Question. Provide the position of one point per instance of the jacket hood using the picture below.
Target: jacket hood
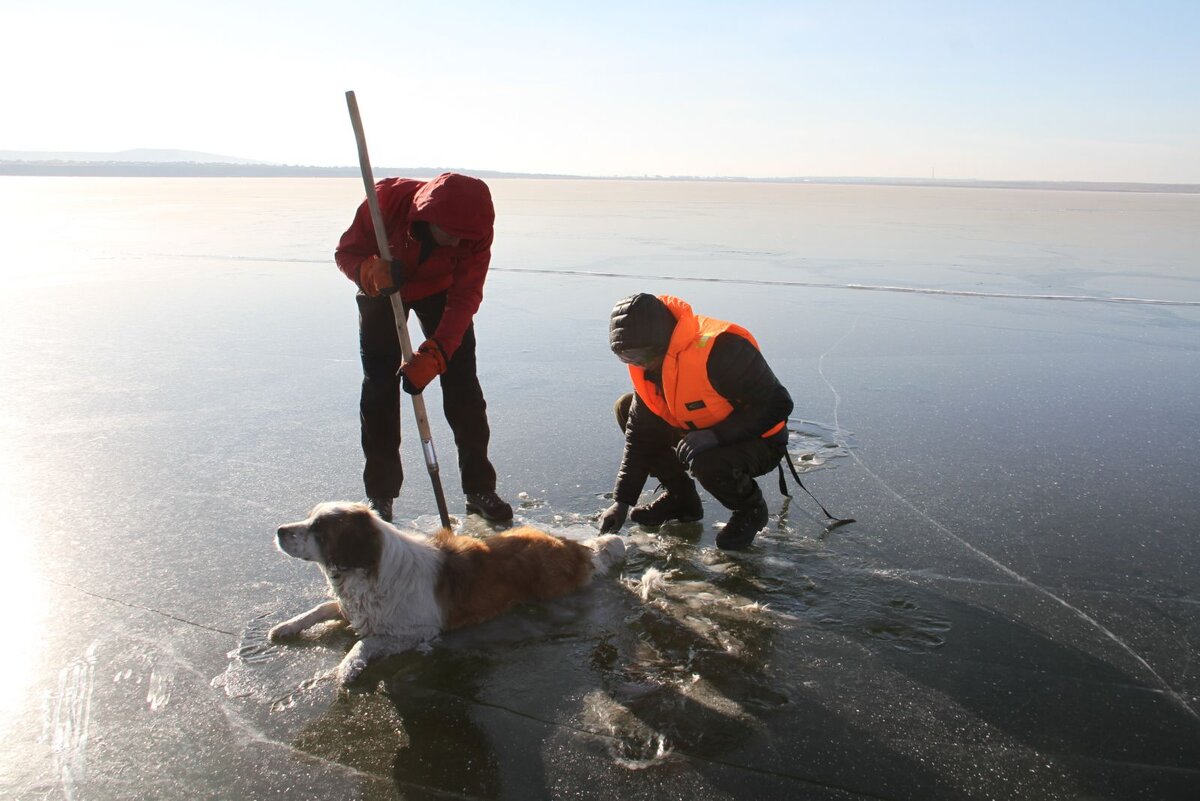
(458, 204)
(686, 324)
(641, 321)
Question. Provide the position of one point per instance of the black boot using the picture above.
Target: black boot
(381, 507)
(679, 502)
(743, 525)
(489, 506)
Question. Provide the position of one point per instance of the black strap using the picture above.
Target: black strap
(837, 521)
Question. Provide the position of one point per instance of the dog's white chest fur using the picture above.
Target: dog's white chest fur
(399, 600)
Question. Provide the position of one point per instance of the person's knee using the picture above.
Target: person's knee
(709, 468)
(465, 408)
(380, 389)
(621, 409)
(380, 361)
(460, 388)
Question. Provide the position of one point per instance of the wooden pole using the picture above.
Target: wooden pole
(385, 253)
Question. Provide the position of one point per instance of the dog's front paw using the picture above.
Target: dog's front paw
(353, 663)
(283, 631)
(350, 669)
(610, 551)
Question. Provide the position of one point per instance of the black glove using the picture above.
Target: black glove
(612, 518)
(695, 443)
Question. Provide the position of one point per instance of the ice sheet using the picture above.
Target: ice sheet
(1013, 614)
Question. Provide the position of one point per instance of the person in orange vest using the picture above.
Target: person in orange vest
(705, 405)
(440, 235)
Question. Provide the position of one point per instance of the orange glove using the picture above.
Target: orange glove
(375, 276)
(427, 362)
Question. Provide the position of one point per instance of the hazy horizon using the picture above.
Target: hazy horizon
(163, 162)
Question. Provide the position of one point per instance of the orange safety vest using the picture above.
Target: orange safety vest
(688, 400)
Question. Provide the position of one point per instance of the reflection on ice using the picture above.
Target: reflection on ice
(689, 675)
(632, 744)
(70, 721)
(26, 582)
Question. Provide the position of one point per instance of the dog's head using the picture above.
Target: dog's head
(339, 536)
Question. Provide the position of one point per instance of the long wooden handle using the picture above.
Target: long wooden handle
(385, 253)
(381, 238)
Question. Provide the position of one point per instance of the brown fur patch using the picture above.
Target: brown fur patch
(483, 578)
(349, 539)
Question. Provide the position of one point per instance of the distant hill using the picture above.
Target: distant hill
(137, 156)
(187, 164)
(190, 164)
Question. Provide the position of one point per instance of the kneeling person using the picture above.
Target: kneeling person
(705, 405)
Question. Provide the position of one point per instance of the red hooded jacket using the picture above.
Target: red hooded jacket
(459, 205)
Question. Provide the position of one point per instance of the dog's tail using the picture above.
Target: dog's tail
(610, 550)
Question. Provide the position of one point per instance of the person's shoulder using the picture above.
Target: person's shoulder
(732, 354)
(731, 341)
(398, 186)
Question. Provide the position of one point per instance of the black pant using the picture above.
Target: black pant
(726, 471)
(379, 407)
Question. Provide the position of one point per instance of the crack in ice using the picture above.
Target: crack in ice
(1003, 568)
(132, 605)
(911, 290)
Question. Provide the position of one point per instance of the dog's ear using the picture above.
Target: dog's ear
(349, 539)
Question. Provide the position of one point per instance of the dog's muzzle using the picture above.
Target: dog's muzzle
(287, 539)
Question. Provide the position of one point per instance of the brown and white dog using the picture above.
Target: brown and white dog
(398, 589)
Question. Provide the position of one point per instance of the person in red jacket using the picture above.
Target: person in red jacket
(440, 236)
(705, 405)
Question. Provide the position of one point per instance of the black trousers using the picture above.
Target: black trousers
(726, 471)
(379, 406)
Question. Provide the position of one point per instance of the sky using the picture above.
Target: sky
(1087, 91)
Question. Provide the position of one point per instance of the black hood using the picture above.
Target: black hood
(640, 321)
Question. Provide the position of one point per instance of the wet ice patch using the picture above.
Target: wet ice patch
(904, 625)
(68, 720)
(685, 596)
(632, 744)
(159, 679)
(652, 582)
(689, 664)
(285, 696)
(158, 691)
(526, 502)
(432, 524)
(578, 531)
(280, 676)
(875, 619)
(812, 445)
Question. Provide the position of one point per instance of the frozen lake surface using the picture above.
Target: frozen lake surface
(1000, 385)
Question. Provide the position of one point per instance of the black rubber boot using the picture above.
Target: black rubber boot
(679, 502)
(381, 507)
(489, 506)
(742, 527)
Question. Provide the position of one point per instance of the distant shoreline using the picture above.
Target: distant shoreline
(125, 169)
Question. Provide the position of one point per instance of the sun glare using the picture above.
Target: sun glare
(24, 634)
